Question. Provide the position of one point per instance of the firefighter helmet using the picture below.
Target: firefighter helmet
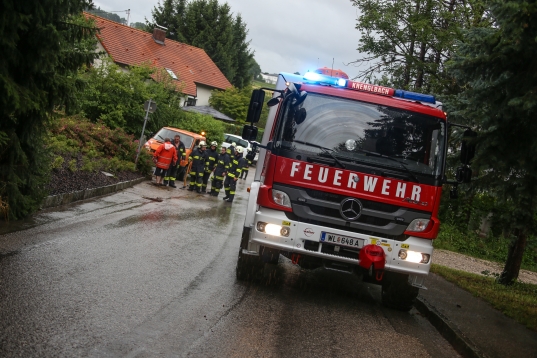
(214, 143)
(233, 144)
(239, 149)
(202, 144)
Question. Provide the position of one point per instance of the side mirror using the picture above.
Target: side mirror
(249, 133)
(256, 105)
(468, 147)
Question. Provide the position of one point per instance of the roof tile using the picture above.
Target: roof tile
(130, 46)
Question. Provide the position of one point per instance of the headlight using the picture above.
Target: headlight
(273, 229)
(281, 198)
(418, 225)
(413, 256)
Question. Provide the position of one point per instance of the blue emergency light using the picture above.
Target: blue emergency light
(414, 96)
(325, 80)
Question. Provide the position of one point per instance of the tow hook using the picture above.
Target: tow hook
(379, 275)
(295, 258)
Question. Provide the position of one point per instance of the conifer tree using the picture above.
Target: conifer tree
(497, 66)
(211, 26)
(44, 43)
(243, 57)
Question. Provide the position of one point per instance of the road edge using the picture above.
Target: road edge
(68, 198)
(452, 334)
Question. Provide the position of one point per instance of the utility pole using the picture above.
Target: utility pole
(149, 107)
(128, 11)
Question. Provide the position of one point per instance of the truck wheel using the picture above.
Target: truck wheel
(248, 267)
(397, 293)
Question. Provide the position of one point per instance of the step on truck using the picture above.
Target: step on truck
(349, 178)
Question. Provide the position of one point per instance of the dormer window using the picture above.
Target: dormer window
(172, 74)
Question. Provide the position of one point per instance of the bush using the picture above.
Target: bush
(93, 146)
(197, 123)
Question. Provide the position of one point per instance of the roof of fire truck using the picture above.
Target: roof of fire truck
(334, 85)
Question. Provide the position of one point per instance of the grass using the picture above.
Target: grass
(259, 84)
(487, 248)
(518, 301)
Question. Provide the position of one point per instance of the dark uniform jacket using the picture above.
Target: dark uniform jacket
(250, 157)
(181, 152)
(211, 158)
(237, 163)
(221, 166)
(198, 160)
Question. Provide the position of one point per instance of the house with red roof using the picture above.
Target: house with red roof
(196, 74)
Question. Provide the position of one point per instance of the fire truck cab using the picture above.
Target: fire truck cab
(349, 178)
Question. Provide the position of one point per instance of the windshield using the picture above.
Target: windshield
(358, 132)
(239, 141)
(168, 133)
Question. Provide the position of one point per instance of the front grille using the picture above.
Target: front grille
(370, 220)
(294, 217)
(336, 198)
(322, 208)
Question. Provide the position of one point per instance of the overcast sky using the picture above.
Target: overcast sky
(286, 35)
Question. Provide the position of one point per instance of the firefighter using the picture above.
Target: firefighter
(249, 158)
(172, 173)
(231, 149)
(232, 175)
(211, 158)
(198, 167)
(219, 172)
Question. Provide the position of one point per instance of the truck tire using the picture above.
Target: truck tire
(397, 293)
(249, 267)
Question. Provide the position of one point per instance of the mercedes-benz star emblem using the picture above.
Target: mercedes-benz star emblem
(350, 209)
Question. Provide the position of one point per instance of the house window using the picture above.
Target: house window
(172, 74)
(191, 101)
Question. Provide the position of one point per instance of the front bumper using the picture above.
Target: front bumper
(302, 236)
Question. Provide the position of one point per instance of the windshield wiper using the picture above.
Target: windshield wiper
(158, 135)
(325, 150)
(402, 165)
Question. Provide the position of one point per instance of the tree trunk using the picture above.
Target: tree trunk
(419, 79)
(514, 258)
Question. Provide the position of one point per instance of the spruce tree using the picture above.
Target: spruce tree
(497, 66)
(243, 57)
(165, 15)
(211, 26)
(44, 43)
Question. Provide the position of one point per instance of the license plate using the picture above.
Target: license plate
(335, 239)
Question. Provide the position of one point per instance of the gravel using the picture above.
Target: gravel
(477, 266)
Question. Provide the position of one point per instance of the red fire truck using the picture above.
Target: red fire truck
(349, 178)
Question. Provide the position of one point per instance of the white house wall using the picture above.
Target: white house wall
(204, 93)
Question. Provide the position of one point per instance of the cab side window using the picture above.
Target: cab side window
(196, 143)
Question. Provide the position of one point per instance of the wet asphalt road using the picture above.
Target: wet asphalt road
(127, 276)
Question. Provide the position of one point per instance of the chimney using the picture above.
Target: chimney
(159, 34)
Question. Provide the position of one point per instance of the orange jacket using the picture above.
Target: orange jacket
(165, 155)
